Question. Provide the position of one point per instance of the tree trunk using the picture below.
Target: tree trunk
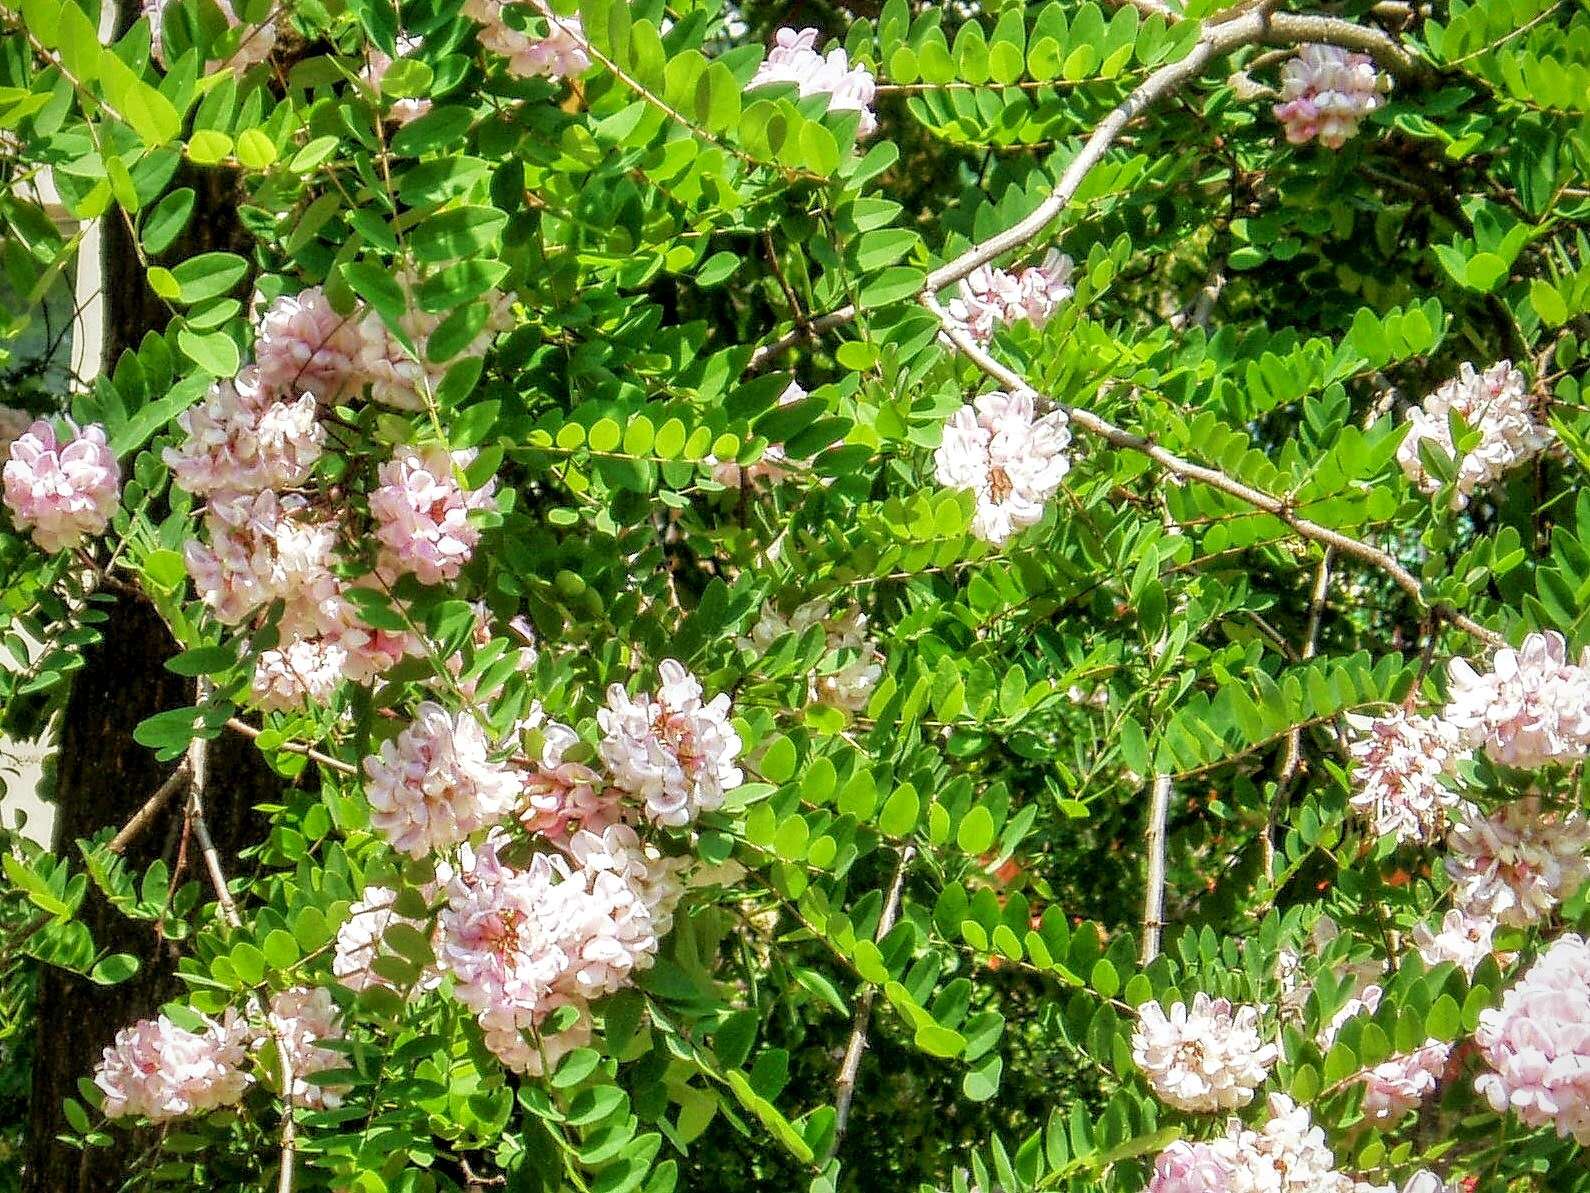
(103, 776)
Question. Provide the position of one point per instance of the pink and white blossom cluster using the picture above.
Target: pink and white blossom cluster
(1202, 1058)
(1402, 762)
(990, 296)
(1497, 404)
(1515, 865)
(674, 752)
(301, 1018)
(560, 54)
(1532, 708)
(1288, 1154)
(1463, 939)
(794, 59)
(159, 1071)
(857, 665)
(1399, 1084)
(1325, 92)
(421, 510)
(407, 381)
(1538, 1043)
(1009, 457)
(63, 491)
(243, 438)
(562, 794)
(435, 783)
(262, 548)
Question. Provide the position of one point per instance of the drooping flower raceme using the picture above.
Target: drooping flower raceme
(1288, 1154)
(655, 878)
(1401, 762)
(406, 380)
(160, 1071)
(561, 54)
(1538, 1043)
(1496, 403)
(990, 296)
(242, 439)
(1325, 92)
(302, 671)
(674, 752)
(560, 795)
(1533, 707)
(794, 59)
(1204, 1058)
(304, 346)
(64, 491)
(1515, 865)
(433, 785)
(302, 1017)
(1463, 939)
(421, 512)
(262, 548)
(1400, 1084)
(1011, 459)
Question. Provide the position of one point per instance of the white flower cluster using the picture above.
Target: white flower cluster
(1531, 709)
(673, 751)
(1204, 1058)
(1517, 864)
(1009, 457)
(1325, 92)
(1288, 1154)
(990, 296)
(847, 684)
(1496, 403)
(1463, 939)
(1402, 762)
(794, 59)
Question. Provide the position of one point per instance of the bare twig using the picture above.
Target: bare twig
(1154, 893)
(845, 1087)
(237, 725)
(178, 781)
(1279, 508)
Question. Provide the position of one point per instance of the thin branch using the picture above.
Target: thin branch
(1154, 894)
(1279, 508)
(845, 1087)
(141, 819)
(237, 725)
(1292, 754)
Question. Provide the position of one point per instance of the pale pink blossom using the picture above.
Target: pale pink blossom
(434, 784)
(1497, 404)
(242, 438)
(1538, 1043)
(1204, 1058)
(559, 54)
(1402, 762)
(656, 879)
(421, 512)
(1463, 939)
(299, 673)
(359, 938)
(1289, 1154)
(561, 795)
(852, 664)
(64, 491)
(1400, 1084)
(989, 296)
(1515, 865)
(674, 752)
(254, 45)
(1011, 459)
(159, 1071)
(302, 1018)
(794, 59)
(1191, 1167)
(262, 548)
(304, 346)
(1533, 707)
(408, 381)
(1365, 1002)
(377, 62)
(1325, 92)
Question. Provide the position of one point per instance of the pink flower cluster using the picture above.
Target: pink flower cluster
(1538, 1043)
(242, 438)
(160, 1071)
(1463, 939)
(674, 752)
(1402, 762)
(1202, 1058)
(989, 296)
(302, 1018)
(794, 59)
(1325, 92)
(1515, 865)
(1288, 1154)
(1532, 708)
(561, 794)
(63, 492)
(1497, 404)
(421, 512)
(405, 380)
(522, 943)
(1400, 1084)
(262, 548)
(560, 54)
(1009, 457)
(856, 665)
(435, 784)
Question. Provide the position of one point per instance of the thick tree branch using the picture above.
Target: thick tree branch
(1154, 891)
(1277, 507)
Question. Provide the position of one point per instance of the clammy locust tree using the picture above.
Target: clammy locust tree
(666, 595)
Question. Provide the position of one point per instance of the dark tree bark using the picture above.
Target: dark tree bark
(103, 776)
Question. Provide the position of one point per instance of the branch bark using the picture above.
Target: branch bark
(141, 819)
(1154, 892)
